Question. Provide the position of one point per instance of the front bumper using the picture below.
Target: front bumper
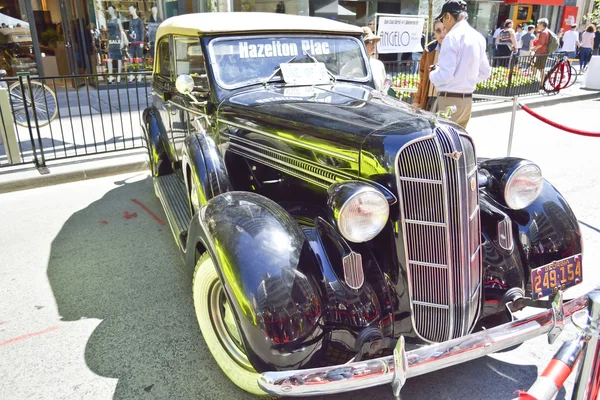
(406, 364)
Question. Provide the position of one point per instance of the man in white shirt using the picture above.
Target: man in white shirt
(571, 41)
(462, 63)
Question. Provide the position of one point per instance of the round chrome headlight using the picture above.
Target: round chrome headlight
(523, 186)
(362, 214)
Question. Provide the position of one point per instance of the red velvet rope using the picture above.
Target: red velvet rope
(557, 125)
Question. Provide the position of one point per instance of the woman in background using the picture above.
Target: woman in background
(586, 46)
(426, 93)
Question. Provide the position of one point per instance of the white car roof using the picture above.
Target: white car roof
(250, 22)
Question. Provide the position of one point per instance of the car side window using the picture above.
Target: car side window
(189, 60)
(164, 59)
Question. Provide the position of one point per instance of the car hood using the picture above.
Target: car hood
(348, 112)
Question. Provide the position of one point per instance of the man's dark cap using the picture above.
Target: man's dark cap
(453, 6)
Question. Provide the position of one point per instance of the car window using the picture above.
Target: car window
(243, 61)
(189, 59)
(164, 59)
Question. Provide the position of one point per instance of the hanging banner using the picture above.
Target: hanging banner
(399, 34)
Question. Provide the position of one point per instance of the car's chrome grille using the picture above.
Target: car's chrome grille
(437, 187)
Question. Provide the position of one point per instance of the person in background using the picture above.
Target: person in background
(495, 37)
(426, 94)
(377, 67)
(587, 45)
(541, 47)
(596, 41)
(571, 42)
(507, 44)
(527, 41)
(462, 62)
(519, 35)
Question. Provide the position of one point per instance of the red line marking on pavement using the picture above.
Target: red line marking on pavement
(104, 222)
(156, 217)
(27, 336)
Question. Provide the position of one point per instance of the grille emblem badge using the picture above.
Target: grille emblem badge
(353, 270)
(454, 155)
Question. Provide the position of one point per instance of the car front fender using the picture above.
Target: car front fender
(268, 272)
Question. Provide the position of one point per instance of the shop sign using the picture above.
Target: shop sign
(400, 34)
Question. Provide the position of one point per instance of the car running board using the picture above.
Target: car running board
(173, 196)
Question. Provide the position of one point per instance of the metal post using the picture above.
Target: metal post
(7, 129)
(34, 37)
(512, 124)
(587, 385)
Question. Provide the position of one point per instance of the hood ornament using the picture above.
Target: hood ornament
(353, 270)
(454, 155)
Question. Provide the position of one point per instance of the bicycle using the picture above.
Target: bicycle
(37, 96)
(561, 76)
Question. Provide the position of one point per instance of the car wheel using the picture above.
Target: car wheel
(219, 327)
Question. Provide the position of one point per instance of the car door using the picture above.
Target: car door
(163, 88)
(187, 113)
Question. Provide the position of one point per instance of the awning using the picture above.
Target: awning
(537, 2)
(10, 21)
(335, 8)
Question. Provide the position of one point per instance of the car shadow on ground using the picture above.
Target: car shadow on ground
(114, 262)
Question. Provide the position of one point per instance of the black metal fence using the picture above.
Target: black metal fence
(53, 118)
(511, 76)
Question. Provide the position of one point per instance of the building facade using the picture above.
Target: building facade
(77, 36)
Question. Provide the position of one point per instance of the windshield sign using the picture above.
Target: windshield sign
(245, 61)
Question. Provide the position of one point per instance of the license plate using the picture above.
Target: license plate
(557, 275)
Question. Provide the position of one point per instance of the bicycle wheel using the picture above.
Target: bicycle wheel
(550, 84)
(574, 76)
(37, 96)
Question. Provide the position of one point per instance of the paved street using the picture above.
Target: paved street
(95, 303)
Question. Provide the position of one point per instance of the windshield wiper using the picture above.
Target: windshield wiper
(277, 70)
(317, 61)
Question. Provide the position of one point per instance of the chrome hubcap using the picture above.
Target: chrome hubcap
(225, 326)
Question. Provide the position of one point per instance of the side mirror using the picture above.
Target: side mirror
(2, 73)
(184, 84)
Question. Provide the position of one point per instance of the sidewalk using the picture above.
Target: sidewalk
(574, 93)
(26, 176)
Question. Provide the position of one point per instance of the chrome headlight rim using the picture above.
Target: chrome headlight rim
(509, 181)
(339, 215)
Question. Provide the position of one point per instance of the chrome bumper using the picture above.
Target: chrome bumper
(406, 364)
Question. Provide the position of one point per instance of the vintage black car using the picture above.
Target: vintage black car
(331, 227)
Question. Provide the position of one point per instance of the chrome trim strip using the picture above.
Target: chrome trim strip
(432, 181)
(326, 172)
(475, 211)
(448, 241)
(425, 303)
(259, 157)
(426, 264)
(427, 223)
(289, 141)
(475, 254)
(422, 360)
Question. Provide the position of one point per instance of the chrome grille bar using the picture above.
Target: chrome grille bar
(440, 221)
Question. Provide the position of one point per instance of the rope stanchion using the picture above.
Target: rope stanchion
(557, 125)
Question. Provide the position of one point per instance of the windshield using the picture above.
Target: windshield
(245, 61)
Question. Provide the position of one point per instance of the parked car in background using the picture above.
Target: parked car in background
(327, 225)
(17, 50)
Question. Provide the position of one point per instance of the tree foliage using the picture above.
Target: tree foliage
(594, 16)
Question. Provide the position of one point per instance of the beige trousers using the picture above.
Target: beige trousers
(463, 109)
